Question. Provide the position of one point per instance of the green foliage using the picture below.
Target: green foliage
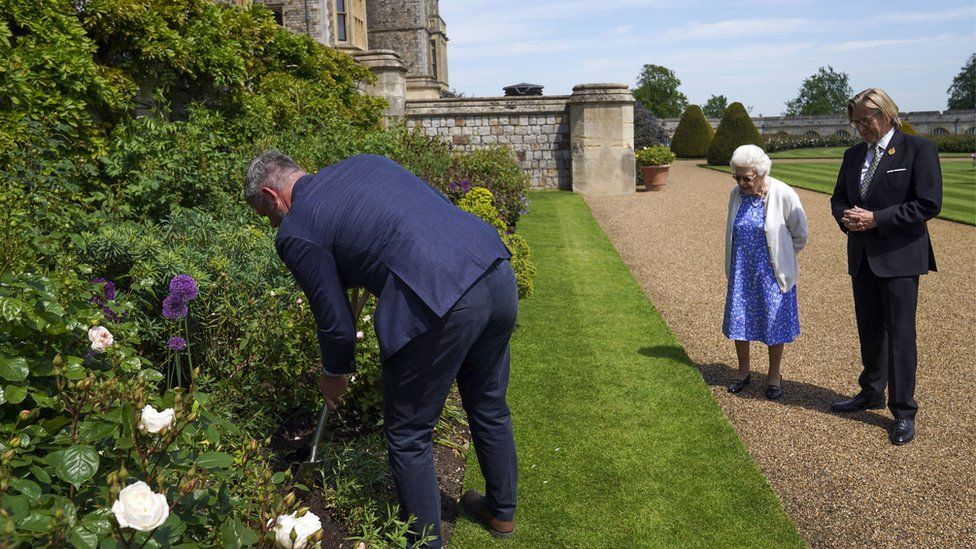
(735, 129)
(962, 92)
(954, 143)
(715, 106)
(479, 202)
(654, 156)
(693, 134)
(495, 169)
(776, 143)
(74, 434)
(657, 89)
(908, 128)
(826, 92)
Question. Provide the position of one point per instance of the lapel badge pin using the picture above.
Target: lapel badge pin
(891, 151)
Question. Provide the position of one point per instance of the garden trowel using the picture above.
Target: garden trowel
(305, 468)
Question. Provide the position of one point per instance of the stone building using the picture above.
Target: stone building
(386, 33)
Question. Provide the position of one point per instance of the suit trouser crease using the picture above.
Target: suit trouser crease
(885, 308)
(471, 345)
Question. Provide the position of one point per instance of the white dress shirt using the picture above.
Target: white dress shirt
(868, 158)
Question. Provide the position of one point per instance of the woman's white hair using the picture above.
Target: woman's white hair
(751, 156)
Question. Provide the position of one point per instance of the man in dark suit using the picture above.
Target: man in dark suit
(447, 304)
(887, 188)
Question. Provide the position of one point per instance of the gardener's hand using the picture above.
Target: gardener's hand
(332, 388)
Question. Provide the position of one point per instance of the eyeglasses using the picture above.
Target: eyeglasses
(745, 179)
(864, 122)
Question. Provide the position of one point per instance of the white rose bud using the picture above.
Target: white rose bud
(140, 508)
(360, 334)
(304, 527)
(367, 318)
(100, 338)
(153, 421)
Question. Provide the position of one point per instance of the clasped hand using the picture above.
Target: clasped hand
(858, 219)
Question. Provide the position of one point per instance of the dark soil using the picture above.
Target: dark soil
(291, 446)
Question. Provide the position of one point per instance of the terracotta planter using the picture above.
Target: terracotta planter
(655, 176)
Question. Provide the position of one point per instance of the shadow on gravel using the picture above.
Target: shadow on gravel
(795, 393)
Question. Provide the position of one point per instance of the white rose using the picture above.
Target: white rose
(304, 527)
(140, 508)
(360, 335)
(100, 338)
(153, 421)
(367, 318)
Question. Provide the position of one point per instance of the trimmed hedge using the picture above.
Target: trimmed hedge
(954, 143)
(693, 134)
(784, 142)
(735, 129)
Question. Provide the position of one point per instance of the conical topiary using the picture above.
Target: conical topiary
(907, 128)
(693, 134)
(735, 129)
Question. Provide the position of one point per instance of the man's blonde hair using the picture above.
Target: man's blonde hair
(875, 98)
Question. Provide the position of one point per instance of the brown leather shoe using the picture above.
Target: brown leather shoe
(473, 504)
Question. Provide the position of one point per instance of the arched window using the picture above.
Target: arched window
(971, 131)
(842, 133)
(940, 131)
(812, 133)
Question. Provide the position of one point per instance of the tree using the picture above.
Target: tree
(693, 134)
(826, 92)
(962, 92)
(715, 106)
(735, 129)
(657, 89)
(648, 130)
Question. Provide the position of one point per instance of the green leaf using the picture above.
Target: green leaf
(40, 474)
(36, 523)
(13, 369)
(74, 371)
(10, 308)
(78, 464)
(14, 394)
(94, 430)
(27, 487)
(214, 460)
(17, 506)
(82, 538)
(98, 521)
(234, 534)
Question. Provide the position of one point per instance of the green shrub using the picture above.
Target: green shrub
(735, 129)
(660, 155)
(954, 143)
(479, 202)
(693, 134)
(908, 128)
(778, 142)
(75, 432)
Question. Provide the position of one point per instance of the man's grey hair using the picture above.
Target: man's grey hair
(268, 169)
(751, 157)
(877, 99)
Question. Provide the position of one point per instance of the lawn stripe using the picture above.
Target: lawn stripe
(620, 441)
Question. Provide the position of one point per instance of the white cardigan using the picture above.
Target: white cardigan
(786, 230)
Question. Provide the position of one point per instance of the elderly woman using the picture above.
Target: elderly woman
(765, 231)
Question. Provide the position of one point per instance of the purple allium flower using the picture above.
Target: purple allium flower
(176, 343)
(110, 314)
(173, 307)
(108, 291)
(183, 287)
(465, 186)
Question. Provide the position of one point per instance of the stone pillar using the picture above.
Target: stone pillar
(601, 124)
(391, 79)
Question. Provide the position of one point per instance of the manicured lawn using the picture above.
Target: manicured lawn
(837, 152)
(958, 184)
(620, 442)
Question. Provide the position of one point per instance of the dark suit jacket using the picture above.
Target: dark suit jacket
(905, 192)
(368, 222)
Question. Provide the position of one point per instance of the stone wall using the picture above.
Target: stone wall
(536, 128)
(948, 122)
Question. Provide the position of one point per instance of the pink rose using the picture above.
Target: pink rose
(100, 338)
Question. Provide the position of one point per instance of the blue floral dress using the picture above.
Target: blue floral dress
(755, 309)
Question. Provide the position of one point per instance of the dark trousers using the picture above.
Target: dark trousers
(885, 310)
(472, 347)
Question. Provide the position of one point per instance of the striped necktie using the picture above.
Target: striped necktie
(866, 181)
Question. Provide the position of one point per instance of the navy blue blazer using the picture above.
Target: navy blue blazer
(368, 222)
(905, 192)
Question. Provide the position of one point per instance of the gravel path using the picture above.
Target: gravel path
(839, 478)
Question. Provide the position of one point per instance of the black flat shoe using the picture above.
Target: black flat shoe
(774, 391)
(858, 403)
(739, 384)
(903, 431)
